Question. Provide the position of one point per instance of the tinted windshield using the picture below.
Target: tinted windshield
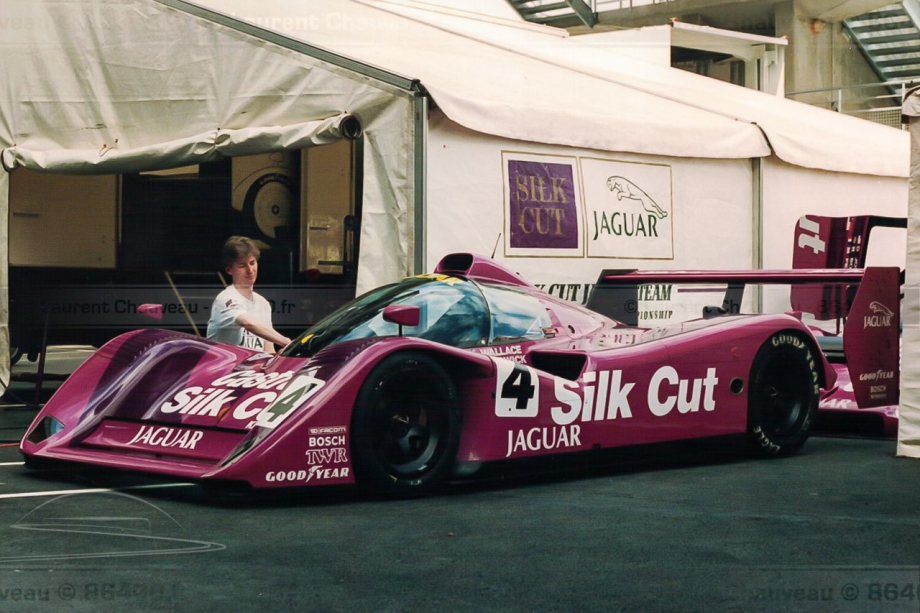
(453, 312)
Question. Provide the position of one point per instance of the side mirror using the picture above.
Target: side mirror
(402, 315)
(153, 311)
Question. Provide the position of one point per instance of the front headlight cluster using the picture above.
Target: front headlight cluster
(46, 428)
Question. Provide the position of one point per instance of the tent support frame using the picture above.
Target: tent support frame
(286, 42)
(421, 183)
(757, 165)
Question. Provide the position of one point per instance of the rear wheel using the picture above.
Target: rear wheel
(783, 395)
(406, 425)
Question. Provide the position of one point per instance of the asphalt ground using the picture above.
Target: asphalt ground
(834, 528)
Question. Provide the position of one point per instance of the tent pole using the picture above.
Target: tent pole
(757, 226)
(5, 366)
(420, 263)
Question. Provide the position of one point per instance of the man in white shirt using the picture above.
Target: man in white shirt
(240, 316)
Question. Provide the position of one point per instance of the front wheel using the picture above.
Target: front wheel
(406, 425)
(783, 395)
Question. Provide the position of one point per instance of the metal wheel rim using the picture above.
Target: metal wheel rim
(783, 396)
(410, 424)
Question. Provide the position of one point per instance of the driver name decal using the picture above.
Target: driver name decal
(514, 353)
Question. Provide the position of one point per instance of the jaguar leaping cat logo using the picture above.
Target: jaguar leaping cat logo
(882, 317)
(624, 188)
(878, 307)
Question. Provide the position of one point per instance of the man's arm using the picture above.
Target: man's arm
(263, 331)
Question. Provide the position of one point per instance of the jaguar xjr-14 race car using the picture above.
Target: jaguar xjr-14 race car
(416, 381)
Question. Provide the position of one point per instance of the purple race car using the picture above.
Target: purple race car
(430, 377)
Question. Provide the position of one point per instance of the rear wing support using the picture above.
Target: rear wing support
(616, 293)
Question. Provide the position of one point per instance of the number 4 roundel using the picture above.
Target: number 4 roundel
(517, 390)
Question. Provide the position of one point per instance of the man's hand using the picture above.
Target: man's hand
(262, 330)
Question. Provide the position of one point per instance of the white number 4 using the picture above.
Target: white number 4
(517, 390)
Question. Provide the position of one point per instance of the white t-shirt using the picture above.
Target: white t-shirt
(229, 305)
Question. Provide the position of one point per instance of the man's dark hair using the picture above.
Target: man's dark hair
(237, 247)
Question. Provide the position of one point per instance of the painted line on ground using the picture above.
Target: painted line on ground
(98, 490)
(12, 463)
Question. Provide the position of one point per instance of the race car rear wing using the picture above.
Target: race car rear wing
(832, 242)
(836, 242)
(867, 299)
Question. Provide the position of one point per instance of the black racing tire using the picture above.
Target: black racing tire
(405, 428)
(783, 393)
(15, 355)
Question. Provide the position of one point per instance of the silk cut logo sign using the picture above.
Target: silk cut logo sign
(543, 214)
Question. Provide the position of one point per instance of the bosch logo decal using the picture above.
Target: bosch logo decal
(327, 441)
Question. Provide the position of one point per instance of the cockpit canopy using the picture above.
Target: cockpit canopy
(453, 310)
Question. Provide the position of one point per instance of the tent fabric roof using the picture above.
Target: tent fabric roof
(101, 86)
(531, 84)
(798, 133)
(490, 74)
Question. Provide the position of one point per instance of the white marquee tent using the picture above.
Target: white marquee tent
(909, 410)
(106, 86)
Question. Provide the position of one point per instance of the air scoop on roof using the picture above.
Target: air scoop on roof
(478, 267)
